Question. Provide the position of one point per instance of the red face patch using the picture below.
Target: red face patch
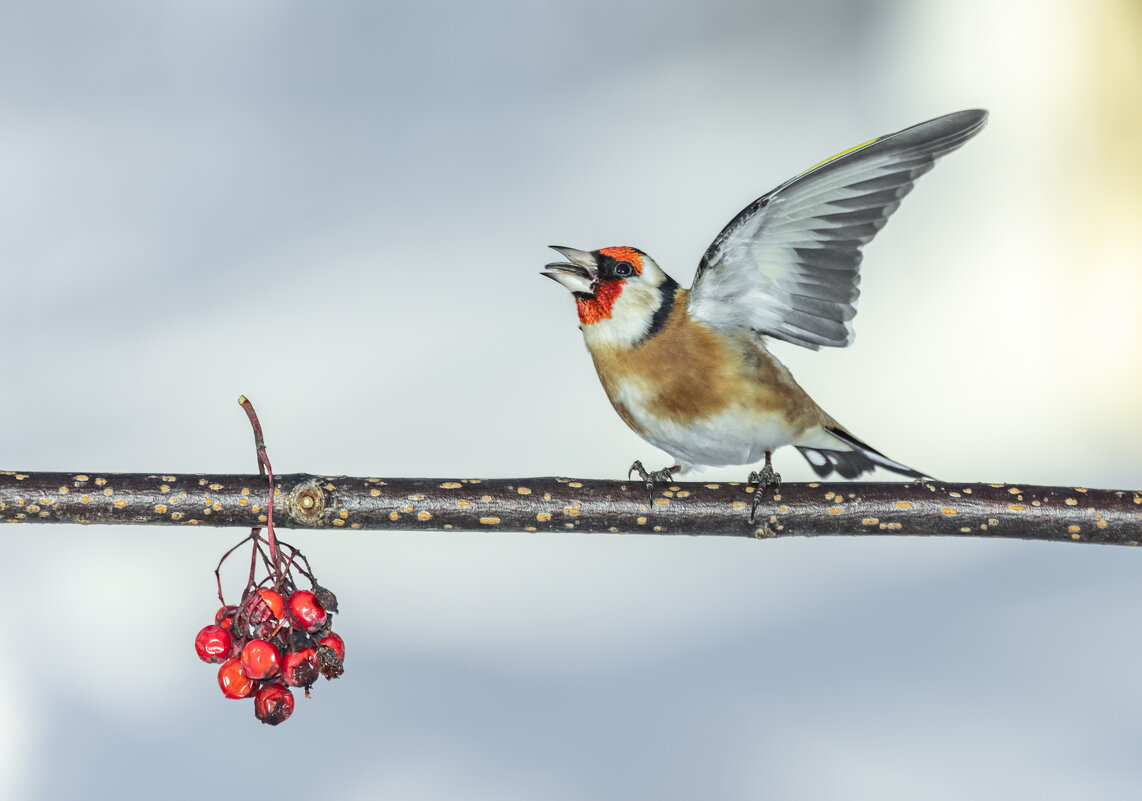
(629, 255)
(599, 307)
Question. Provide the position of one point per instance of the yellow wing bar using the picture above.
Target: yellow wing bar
(842, 153)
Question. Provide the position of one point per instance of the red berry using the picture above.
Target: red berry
(273, 704)
(213, 644)
(268, 604)
(335, 642)
(261, 659)
(234, 683)
(307, 611)
(225, 613)
(300, 668)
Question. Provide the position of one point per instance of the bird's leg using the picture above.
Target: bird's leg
(665, 474)
(764, 479)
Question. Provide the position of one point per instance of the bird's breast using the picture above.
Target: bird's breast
(688, 373)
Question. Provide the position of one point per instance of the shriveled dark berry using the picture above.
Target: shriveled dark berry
(273, 704)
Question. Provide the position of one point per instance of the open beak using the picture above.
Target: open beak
(578, 274)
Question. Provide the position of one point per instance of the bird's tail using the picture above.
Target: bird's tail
(860, 459)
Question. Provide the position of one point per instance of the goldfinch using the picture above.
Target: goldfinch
(688, 369)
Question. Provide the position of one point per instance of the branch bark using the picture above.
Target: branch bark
(562, 504)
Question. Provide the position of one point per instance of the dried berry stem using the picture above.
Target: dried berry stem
(266, 470)
(218, 569)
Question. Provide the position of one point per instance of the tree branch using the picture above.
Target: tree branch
(563, 504)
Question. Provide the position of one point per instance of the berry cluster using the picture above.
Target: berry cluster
(277, 636)
(271, 641)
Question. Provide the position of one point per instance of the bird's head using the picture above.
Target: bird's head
(610, 284)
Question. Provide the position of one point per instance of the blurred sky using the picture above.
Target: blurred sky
(340, 209)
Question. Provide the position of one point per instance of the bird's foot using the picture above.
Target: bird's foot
(762, 479)
(650, 479)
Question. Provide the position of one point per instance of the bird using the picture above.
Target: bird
(689, 371)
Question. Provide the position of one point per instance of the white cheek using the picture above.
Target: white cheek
(629, 321)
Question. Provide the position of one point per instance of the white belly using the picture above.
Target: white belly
(730, 438)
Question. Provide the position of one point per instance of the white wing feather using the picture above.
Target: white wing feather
(788, 265)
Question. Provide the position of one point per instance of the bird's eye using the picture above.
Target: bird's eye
(623, 269)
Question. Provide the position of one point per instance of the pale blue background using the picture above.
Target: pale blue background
(340, 209)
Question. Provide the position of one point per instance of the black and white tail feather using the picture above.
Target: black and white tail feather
(850, 464)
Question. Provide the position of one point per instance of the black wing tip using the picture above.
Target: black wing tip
(939, 135)
(967, 117)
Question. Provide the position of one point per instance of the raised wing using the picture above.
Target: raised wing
(788, 265)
